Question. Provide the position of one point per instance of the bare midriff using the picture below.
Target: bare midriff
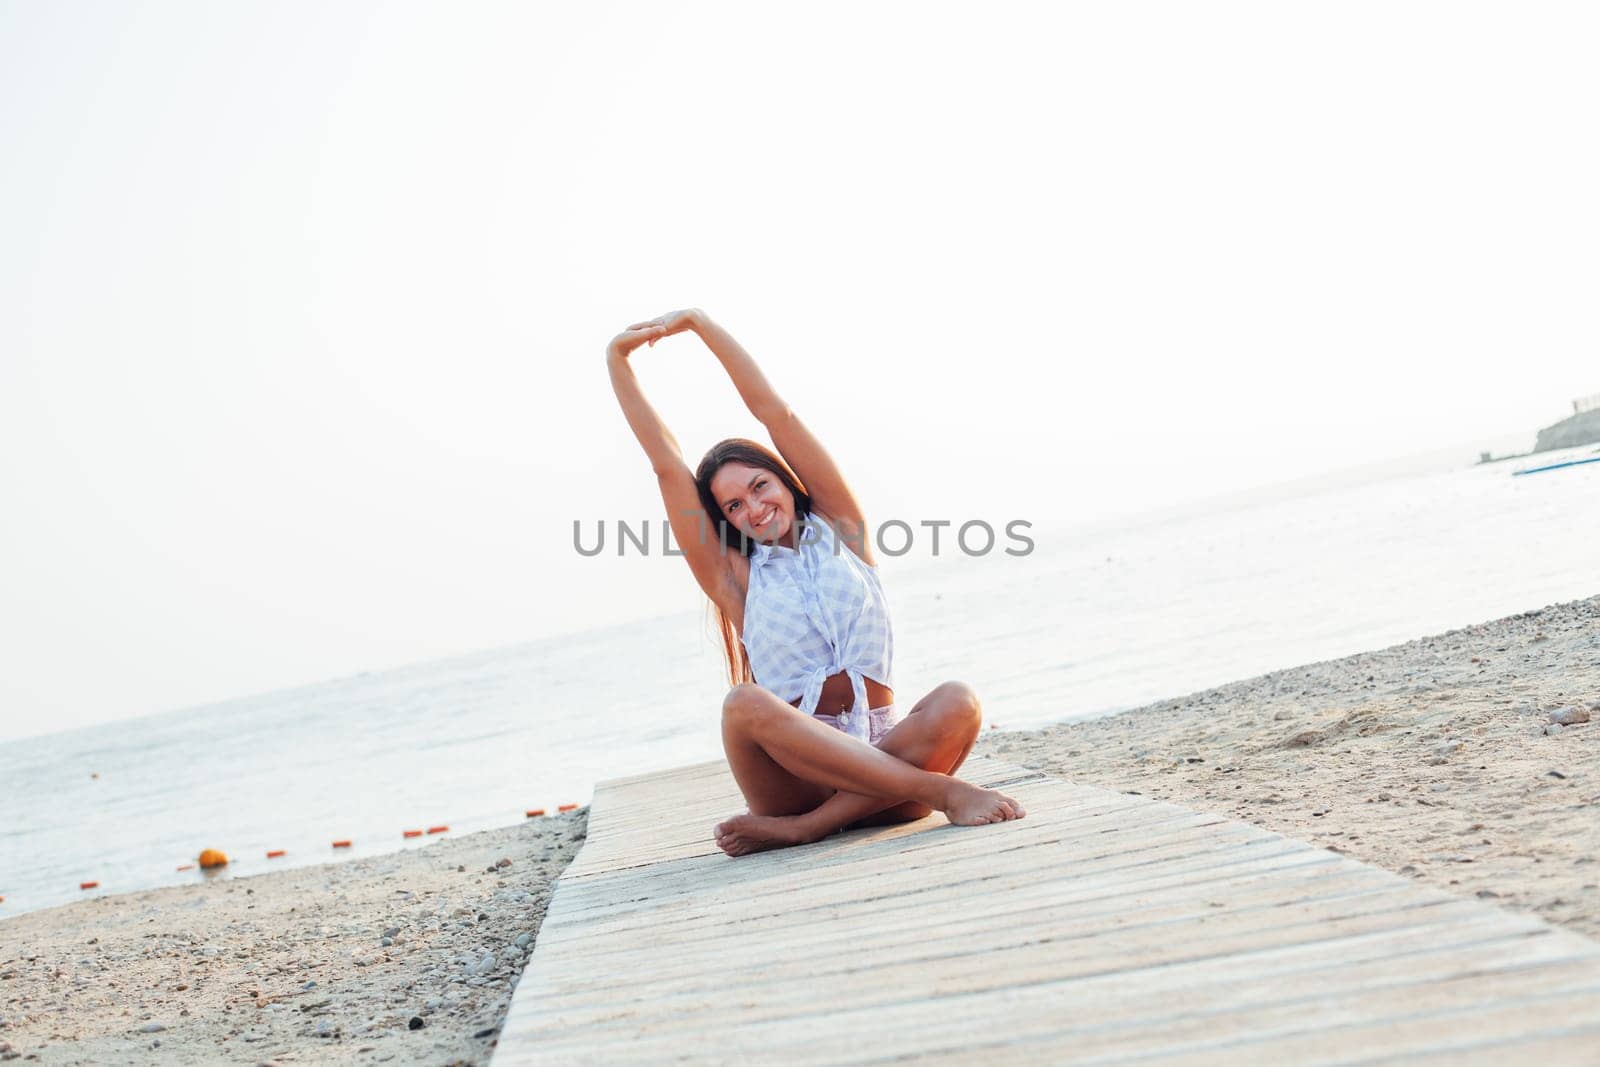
(838, 695)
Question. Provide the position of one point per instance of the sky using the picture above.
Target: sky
(302, 345)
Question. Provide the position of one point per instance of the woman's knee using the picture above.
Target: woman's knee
(743, 700)
(959, 706)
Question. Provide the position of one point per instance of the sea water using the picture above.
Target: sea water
(1091, 622)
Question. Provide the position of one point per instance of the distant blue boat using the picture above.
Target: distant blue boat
(1557, 466)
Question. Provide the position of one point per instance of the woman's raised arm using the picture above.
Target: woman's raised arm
(653, 435)
(794, 440)
(691, 526)
(754, 389)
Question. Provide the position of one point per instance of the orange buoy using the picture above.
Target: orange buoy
(437, 829)
(274, 853)
(88, 885)
(341, 844)
(187, 867)
(566, 807)
(410, 833)
(212, 858)
(535, 811)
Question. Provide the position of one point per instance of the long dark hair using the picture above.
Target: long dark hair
(741, 450)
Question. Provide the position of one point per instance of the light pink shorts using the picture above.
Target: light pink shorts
(879, 721)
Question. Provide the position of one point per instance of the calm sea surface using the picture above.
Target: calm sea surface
(1092, 622)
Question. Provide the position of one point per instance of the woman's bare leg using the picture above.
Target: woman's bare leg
(937, 735)
(786, 762)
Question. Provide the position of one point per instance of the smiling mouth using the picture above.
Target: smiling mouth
(770, 516)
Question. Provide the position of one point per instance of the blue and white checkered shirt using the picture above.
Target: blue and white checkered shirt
(813, 611)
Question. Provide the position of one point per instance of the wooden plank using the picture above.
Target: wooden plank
(1103, 926)
(961, 880)
(1211, 1027)
(840, 861)
(1053, 1024)
(926, 1023)
(1389, 1032)
(938, 903)
(1569, 1046)
(847, 856)
(836, 954)
(935, 908)
(976, 970)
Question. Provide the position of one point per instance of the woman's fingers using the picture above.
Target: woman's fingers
(652, 330)
(630, 339)
(677, 318)
(649, 332)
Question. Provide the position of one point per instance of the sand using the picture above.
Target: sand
(1430, 758)
(290, 967)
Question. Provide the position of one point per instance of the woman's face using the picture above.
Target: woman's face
(754, 500)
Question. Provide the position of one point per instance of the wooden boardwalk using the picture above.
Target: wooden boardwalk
(1104, 927)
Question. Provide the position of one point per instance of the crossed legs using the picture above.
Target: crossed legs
(804, 779)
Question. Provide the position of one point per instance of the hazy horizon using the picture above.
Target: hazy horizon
(302, 374)
(1309, 484)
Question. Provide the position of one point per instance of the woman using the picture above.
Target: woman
(809, 727)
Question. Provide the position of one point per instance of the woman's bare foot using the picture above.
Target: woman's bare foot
(972, 805)
(755, 833)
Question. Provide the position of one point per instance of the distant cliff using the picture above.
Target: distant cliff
(1580, 429)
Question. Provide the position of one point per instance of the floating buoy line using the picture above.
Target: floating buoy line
(213, 859)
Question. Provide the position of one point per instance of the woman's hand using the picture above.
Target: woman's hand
(625, 342)
(670, 323)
